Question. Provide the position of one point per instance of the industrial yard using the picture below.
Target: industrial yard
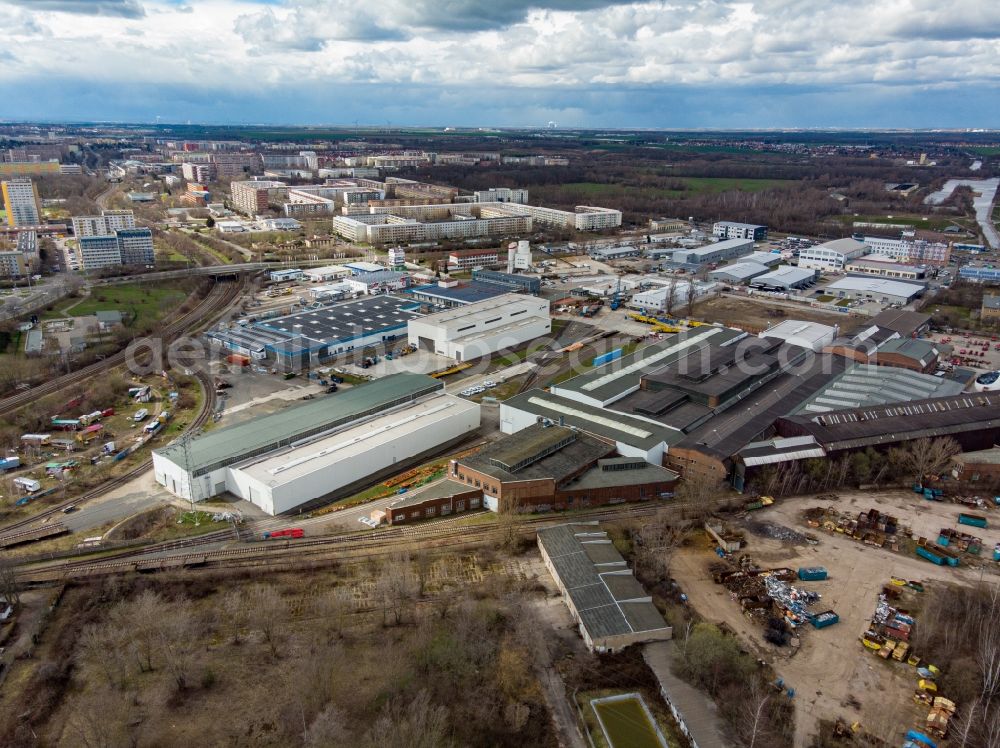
(834, 676)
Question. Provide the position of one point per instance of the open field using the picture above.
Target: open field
(934, 223)
(832, 669)
(145, 302)
(761, 313)
(692, 185)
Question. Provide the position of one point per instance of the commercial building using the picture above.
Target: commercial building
(418, 223)
(831, 256)
(910, 250)
(979, 273)
(481, 329)
(811, 335)
(325, 273)
(733, 230)
(884, 268)
(738, 272)
(20, 200)
(451, 294)
(881, 346)
(785, 278)
(546, 467)
(501, 195)
(668, 296)
(105, 224)
(280, 276)
(378, 282)
(254, 197)
(509, 281)
(770, 259)
(605, 254)
(719, 252)
(321, 334)
(875, 289)
(304, 453)
(124, 247)
(474, 258)
(611, 608)
(668, 225)
(908, 324)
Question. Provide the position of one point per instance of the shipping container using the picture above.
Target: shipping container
(27, 485)
(812, 573)
(238, 359)
(9, 463)
(824, 619)
(975, 520)
(930, 555)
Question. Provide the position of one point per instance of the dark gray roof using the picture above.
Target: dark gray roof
(598, 477)
(902, 321)
(438, 490)
(536, 446)
(888, 424)
(345, 321)
(607, 424)
(727, 432)
(599, 598)
(616, 379)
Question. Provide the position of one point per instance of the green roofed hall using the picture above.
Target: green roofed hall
(242, 441)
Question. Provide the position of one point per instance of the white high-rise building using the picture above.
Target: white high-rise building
(20, 200)
(105, 224)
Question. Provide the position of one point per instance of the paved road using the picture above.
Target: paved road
(96, 514)
(698, 713)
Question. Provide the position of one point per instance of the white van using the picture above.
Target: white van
(140, 415)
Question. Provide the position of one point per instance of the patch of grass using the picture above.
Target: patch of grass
(825, 298)
(934, 223)
(144, 303)
(627, 724)
(844, 302)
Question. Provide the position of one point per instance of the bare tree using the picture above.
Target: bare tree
(10, 587)
(416, 724)
(929, 456)
(233, 610)
(328, 728)
(105, 647)
(396, 587)
(267, 613)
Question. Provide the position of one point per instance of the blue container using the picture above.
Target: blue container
(812, 573)
(943, 540)
(606, 358)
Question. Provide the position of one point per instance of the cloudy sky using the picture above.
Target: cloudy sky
(581, 63)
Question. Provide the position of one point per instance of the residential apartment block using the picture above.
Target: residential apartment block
(253, 198)
(20, 200)
(501, 195)
(107, 223)
(124, 247)
(203, 173)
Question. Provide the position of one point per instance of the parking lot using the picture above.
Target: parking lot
(978, 352)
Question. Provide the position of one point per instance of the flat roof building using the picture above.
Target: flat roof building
(734, 230)
(884, 269)
(457, 295)
(875, 289)
(609, 605)
(739, 272)
(308, 451)
(811, 335)
(727, 249)
(785, 278)
(483, 328)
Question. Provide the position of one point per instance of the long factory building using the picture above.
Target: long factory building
(319, 449)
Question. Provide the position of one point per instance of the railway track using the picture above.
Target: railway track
(219, 298)
(440, 534)
(207, 311)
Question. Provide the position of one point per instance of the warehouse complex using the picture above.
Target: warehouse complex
(482, 328)
(609, 605)
(284, 461)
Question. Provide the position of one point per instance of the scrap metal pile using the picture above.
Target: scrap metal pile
(889, 634)
(767, 596)
(871, 527)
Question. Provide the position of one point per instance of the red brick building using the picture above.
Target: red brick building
(543, 468)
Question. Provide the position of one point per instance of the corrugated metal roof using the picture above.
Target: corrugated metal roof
(258, 436)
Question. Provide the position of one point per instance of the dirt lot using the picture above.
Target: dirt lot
(755, 312)
(831, 665)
